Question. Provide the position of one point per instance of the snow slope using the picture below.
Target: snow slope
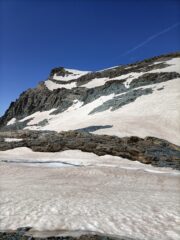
(105, 194)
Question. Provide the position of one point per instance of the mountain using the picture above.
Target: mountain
(130, 111)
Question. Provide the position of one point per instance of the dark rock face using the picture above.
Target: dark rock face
(149, 150)
(60, 71)
(42, 99)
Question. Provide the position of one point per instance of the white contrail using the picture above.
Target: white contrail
(151, 38)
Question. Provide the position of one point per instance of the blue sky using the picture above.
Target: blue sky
(37, 35)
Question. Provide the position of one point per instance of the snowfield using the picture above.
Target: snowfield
(106, 194)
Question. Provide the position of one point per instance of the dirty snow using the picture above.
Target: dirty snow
(107, 194)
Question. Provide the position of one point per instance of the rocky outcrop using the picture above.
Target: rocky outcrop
(149, 150)
(60, 71)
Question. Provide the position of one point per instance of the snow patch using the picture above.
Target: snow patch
(38, 117)
(12, 121)
(96, 82)
(52, 85)
(13, 139)
(174, 66)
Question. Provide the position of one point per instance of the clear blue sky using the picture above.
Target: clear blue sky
(37, 35)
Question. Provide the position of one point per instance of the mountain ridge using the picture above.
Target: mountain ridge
(128, 111)
(100, 98)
